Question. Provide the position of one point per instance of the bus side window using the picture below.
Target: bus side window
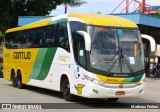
(78, 42)
(21, 37)
(81, 50)
(8, 41)
(29, 41)
(50, 32)
(38, 37)
(63, 36)
(15, 43)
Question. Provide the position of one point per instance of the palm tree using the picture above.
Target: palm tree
(73, 3)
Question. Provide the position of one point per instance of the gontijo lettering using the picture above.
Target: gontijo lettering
(22, 55)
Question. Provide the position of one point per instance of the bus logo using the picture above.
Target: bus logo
(79, 88)
(22, 55)
(121, 86)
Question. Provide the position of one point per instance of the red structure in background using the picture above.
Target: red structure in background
(141, 7)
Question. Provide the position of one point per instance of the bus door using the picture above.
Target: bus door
(81, 52)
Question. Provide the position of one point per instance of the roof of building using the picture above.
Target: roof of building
(143, 19)
(23, 20)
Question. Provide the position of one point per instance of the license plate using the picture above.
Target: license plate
(120, 93)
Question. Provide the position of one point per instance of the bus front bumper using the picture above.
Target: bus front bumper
(97, 91)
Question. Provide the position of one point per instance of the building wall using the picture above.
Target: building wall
(23, 20)
(138, 18)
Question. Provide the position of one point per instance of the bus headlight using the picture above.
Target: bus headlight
(97, 82)
(140, 82)
(94, 80)
(89, 78)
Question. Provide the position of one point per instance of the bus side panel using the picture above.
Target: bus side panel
(20, 59)
(44, 70)
(60, 64)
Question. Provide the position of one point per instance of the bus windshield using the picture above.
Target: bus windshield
(116, 50)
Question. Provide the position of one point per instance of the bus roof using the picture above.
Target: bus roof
(93, 19)
(104, 20)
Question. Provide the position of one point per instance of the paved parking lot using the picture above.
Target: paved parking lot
(9, 94)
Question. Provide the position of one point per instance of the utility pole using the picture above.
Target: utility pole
(143, 8)
(127, 6)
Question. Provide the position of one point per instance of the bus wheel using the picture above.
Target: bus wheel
(19, 80)
(13, 79)
(66, 90)
(113, 99)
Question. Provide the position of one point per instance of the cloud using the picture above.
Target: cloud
(153, 2)
(60, 7)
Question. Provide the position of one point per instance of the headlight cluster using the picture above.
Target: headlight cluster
(140, 82)
(98, 82)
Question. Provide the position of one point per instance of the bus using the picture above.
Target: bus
(86, 55)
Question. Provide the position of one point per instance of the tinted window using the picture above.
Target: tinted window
(49, 36)
(63, 36)
(11, 41)
(38, 38)
(21, 39)
(29, 35)
(78, 42)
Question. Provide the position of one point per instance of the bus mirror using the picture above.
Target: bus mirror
(87, 39)
(152, 42)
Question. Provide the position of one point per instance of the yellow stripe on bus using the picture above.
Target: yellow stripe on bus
(111, 80)
(31, 25)
(104, 20)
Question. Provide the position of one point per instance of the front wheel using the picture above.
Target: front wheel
(66, 90)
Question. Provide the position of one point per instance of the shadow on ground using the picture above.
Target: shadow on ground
(86, 103)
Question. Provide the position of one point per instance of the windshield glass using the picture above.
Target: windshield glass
(116, 50)
(131, 48)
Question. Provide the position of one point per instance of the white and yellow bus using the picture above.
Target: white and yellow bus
(88, 55)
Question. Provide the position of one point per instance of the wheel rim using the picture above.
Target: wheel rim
(66, 89)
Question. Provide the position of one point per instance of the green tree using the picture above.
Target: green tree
(157, 13)
(11, 9)
(72, 3)
(3, 15)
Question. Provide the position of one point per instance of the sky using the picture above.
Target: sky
(102, 6)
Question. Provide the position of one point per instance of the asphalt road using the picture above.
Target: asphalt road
(10, 94)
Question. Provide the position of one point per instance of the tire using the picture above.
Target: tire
(113, 99)
(66, 90)
(13, 79)
(20, 85)
(1, 75)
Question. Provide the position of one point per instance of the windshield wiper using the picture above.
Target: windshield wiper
(112, 65)
(121, 56)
